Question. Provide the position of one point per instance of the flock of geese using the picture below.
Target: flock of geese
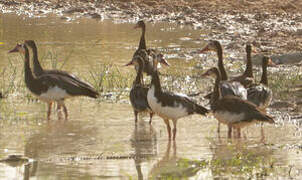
(237, 102)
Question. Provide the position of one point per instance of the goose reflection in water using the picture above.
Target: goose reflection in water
(173, 167)
(242, 159)
(23, 167)
(144, 143)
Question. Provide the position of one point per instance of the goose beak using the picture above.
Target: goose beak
(271, 63)
(205, 49)
(205, 74)
(16, 49)
(129, 63)
(254, 51)
(164, 61)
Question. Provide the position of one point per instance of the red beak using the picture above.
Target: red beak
(271, 63)
(129, 63)
(164, 61)
(204, 49)
(16, 49)
(254, 51)
(205, 74)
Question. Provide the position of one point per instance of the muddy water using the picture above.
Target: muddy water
(100, 141)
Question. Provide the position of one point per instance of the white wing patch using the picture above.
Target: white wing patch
(175, 112)
(182, 95)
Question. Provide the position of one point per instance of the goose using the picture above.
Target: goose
(51, 87)
(142, 50)
(247, 78)
(234, 111)
(170, 106)
(138, 93)
(38, 70)
(260, 94)
(226, 87)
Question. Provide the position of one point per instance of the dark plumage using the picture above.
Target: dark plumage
(138, 93)
(247, 78)
(233, 111)
(169, 105)
(227, 87)
(87, 89)
(50, 87)
(233, 88)
(144, 52)
(260, 94)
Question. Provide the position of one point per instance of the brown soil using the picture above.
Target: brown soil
(247, 6)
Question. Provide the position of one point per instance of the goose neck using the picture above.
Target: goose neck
(264, 74)
(220, 63)
(142, 42)
(37, 66)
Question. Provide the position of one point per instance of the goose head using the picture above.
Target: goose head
(140, 24)
(267, 61)
(136, 61)
(212, 45)
(248, 48)
(211, 72)
(19, 48)
(156, 57)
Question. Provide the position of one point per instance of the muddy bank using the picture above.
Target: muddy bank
(274, 27)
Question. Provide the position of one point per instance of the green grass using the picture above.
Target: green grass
(114, 85)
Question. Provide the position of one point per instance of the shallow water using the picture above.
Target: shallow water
(100, 141)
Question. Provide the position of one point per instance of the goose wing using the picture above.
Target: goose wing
(138, 98)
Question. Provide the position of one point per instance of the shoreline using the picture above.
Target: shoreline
(274, 28)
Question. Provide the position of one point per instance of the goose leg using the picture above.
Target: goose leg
(49, 110)
(218, 128)
(168, 128)
(229, 131)
(65, 111)
(59, 111)
(151, 115)
(238, 132)
(174, 129)
(135, 115)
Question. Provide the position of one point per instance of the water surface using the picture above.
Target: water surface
(100, 141)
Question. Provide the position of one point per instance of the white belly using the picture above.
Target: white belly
(236, 120)
(54, 94)
(226, 117)
(166, 112)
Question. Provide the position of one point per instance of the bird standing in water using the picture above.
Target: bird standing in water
(50, 87)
